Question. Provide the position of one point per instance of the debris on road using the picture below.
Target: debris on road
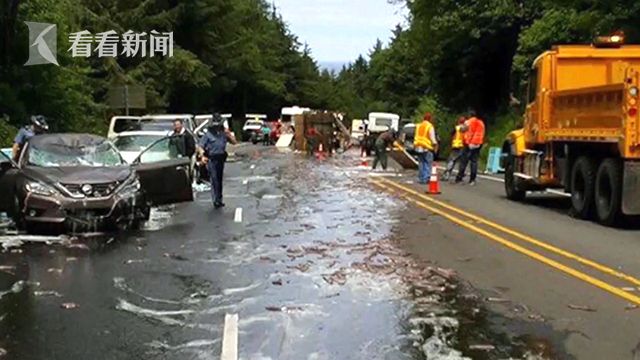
(535, 317)
(175, 257)
(498, 300)
(267, 259)
(11, 270)
(486, 347)
(47, 293)
(337, 278)
(581, 308)
(284, 309)
(301, 267)
(17, 287)
(69, 306)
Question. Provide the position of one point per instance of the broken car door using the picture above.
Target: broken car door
(8, 170)
(165, 175)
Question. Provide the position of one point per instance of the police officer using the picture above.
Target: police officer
(37, 125)
(212, 149)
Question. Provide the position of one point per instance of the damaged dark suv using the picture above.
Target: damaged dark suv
(80, 182)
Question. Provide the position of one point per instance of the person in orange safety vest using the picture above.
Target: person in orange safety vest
(457, 147)
(474, 131)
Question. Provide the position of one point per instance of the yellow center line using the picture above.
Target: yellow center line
(593, 264)
(518, 248)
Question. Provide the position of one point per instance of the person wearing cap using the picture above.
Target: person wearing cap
(426, 145)
(385, 140)
(457, 148)
(212, 149)
(37, 125)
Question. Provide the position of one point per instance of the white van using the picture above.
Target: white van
(163, 122)
(381, 122)
(357, 129)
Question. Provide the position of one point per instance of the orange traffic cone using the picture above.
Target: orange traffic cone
(320, 153)
(363, 160)
(434, 184)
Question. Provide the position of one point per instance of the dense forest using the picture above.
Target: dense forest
(230, 56)
(453, 56)
(239, 56)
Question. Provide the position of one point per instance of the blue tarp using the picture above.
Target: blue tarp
(493, 161)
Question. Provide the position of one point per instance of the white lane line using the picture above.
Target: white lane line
(230, 338)
(238, 216)
(501, 180)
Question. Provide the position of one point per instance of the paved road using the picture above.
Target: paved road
(311, 264)
(324, 260)
(537, 263)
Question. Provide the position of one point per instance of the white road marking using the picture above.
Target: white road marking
(230, 338)
(238, 217)
(501, 180)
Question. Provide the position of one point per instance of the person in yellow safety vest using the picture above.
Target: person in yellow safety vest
(425, 145)
(457, 147)
(474, 132)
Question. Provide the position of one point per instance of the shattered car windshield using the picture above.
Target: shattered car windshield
(102, 155)
(136, 142)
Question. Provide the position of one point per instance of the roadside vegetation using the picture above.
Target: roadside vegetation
(453, 56)
(229, 55)
(239, 56)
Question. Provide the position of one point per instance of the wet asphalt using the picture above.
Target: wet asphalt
(311, 267)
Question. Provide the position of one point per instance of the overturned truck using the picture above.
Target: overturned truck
(314, 129)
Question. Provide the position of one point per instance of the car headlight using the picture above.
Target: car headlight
(40, 188)
(132, 186)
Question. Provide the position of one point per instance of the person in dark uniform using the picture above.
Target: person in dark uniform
(213, 152)
(182, 141)
(385, 140)
(37, 125)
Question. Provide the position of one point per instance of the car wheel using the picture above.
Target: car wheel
(583, 177)
(16, 213)
(608, 192)
(511, 183)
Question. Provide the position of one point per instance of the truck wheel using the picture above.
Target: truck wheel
(511, 182)
(608, 192)
(583, 176)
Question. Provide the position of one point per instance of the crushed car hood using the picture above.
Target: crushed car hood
(79, 174)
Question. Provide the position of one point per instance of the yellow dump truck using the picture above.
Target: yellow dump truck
(581, 130)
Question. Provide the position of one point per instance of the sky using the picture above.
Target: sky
(340, 30)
